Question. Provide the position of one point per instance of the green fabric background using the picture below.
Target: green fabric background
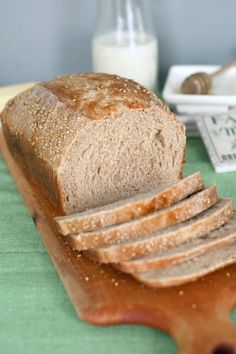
(36, 315)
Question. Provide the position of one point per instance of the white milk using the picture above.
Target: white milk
(137, 60)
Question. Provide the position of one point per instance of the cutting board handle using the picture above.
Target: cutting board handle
(206, 333)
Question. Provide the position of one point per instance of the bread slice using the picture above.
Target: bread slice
(190, 270)
(129, 209)
(207, 221)
(157, 220)
(213, 240)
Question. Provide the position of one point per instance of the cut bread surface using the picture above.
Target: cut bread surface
(190, 270)
(170, 237)
(129, 152)
(215, 239)
(129, 209)
(157, 220)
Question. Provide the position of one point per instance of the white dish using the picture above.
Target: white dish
(196, 109)
(222, 95)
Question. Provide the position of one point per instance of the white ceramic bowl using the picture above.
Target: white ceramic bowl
(221, 97)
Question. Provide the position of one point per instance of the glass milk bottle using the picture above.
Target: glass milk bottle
(124, 42)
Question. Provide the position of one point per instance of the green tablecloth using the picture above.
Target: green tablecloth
(36, 315)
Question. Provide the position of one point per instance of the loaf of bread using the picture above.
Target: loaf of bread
(91, 139)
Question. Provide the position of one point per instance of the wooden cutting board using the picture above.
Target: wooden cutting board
(197, 314)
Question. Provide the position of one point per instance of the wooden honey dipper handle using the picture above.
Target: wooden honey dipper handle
(223, 69)
(200, 83)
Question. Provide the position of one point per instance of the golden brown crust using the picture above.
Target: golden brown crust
(107, 94)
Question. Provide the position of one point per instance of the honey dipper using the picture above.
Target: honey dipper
(200, 83)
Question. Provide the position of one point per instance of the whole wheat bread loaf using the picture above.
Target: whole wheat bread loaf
(213, 240)
(91, 139)
(157, 220)
(190, 270)
(205, 222)
(129, 209)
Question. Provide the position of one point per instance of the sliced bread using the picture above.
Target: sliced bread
(157, 220)
(190, 270)
(215, 239)
(129, 209)
(207, 221)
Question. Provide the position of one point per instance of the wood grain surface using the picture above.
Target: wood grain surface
(197, 314)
